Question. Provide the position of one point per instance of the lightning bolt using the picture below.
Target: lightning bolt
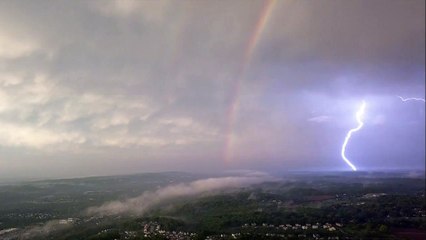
(359, 115)
(411, 99)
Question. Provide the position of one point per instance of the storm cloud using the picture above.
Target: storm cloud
(120, 86)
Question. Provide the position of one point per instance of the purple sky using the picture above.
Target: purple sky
(112, 87)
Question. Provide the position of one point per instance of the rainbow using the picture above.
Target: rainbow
(253, 41)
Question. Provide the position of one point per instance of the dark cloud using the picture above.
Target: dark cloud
(146, 83)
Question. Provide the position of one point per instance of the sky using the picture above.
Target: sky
(114, 87)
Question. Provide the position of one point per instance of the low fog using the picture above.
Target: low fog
(44, 230)
(146, 201)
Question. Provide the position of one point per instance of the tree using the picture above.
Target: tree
(383, 228)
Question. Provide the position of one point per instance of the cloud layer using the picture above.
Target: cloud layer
(118, 86)
(143, 203)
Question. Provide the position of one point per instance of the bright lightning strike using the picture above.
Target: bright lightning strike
(411, 99)
(359, 116)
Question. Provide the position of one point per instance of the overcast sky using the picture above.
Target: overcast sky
(110, 87)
